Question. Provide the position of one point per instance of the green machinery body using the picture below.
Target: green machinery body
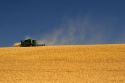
(30, 42)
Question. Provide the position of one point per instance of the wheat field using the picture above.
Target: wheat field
(63, 64)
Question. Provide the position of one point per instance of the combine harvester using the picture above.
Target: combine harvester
(28, 43)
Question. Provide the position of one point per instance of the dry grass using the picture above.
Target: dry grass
(63, 64)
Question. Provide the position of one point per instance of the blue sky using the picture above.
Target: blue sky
(62, 21)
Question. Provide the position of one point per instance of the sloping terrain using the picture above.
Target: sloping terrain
(63, 64)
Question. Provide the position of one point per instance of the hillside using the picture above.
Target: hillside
(63, 64)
